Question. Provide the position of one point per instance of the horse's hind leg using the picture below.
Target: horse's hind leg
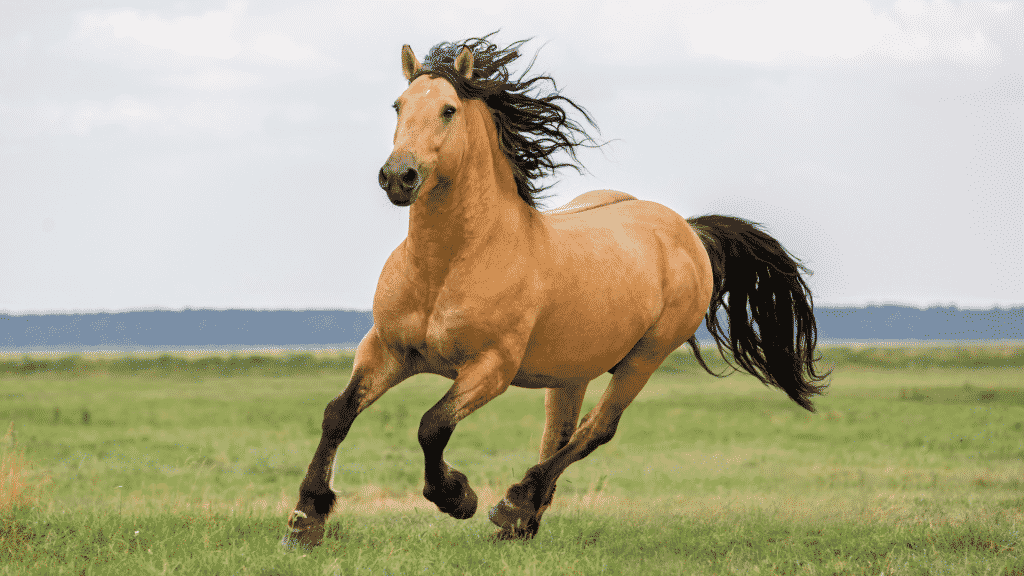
(518, 513)
(373, 373)
(562, 411)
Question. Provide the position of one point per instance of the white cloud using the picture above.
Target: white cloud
(283, 48)
(763, 32)
(223, 117)
(772, 31)
(974, 48)
(910, 7)
(780, 31)
(213, 79)
(939, 30)
(209, 35)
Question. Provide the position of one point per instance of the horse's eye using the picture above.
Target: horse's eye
(395, 106)
(448, 112)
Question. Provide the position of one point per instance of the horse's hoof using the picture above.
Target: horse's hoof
(465, 508)
(462, 507)
(515, 523)
(290, 543)
(303, 540)
(467, 505)
(304, 533)
(294, 541)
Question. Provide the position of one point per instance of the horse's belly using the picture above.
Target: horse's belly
(529, 380)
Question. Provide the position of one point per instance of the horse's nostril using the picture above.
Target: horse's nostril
(409, 176)
(382, 178)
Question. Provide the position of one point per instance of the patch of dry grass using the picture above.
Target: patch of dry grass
(20, 481)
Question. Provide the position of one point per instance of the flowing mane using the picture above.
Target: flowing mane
(531, 129)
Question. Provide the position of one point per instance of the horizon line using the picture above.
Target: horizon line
(66, 312)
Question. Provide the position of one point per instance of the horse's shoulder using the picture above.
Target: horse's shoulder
(589, 201)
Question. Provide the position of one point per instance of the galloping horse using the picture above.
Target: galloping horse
(490, 292)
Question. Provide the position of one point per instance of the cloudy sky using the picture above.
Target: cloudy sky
(170, 154)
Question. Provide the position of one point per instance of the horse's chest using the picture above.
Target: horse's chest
(468, 313)
(454, 334)
(443, 336)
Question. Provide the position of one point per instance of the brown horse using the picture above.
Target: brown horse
(490, 292)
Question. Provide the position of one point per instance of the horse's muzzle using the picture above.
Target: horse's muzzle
(401, 178)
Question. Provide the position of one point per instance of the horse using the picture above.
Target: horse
(491, 292)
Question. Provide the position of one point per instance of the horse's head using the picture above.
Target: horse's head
(431, 132)
(465, 123)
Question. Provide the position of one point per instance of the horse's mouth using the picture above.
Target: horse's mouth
(400, 199)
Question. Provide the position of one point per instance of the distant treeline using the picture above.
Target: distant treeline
(183, 329)
(227, 329)
(909, 323)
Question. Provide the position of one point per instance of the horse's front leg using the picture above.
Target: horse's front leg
(374, 371)
(477, 383)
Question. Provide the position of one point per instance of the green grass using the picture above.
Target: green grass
(578, 543)
(912, 465)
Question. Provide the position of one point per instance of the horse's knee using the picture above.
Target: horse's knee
(341, 411)
(434, 431)
(334, 417)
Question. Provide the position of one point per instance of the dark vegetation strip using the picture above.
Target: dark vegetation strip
(308, 364)
(171, 365)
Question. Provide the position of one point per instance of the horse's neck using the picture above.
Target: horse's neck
(447, 236)
(480, 213)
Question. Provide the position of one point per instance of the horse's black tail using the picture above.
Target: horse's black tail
(765, 287)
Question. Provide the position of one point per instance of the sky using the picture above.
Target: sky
(165, 154)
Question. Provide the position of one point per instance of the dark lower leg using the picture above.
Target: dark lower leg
(372, 376)
(316, 499)
(339, 415)
(477, 384)
(442, 484)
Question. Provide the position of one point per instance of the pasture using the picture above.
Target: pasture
(158, 464)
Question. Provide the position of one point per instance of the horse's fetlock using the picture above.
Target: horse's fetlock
(520, 492)
(549, 494)
(322, 501)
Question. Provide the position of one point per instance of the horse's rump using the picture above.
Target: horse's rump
(616, 271)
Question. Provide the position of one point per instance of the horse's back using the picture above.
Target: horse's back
(591, 220)
(589, 201)
(622, 244)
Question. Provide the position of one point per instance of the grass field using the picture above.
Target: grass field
(158, 464)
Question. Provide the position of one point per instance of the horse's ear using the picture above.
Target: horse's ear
(464, 63)
(410, 65)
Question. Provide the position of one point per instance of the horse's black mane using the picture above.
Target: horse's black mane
(530, 129)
